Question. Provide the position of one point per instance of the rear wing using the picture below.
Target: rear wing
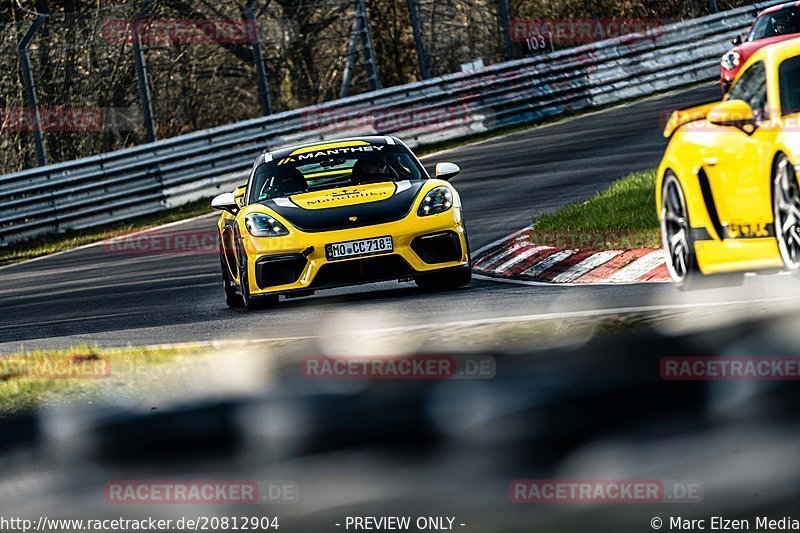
(679, 118)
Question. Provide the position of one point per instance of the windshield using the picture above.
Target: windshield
(332, 168)
(783, 22)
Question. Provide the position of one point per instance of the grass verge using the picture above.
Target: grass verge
(39, 378)
(622, 216)
(58, 242)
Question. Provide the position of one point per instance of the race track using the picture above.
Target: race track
(89, 296)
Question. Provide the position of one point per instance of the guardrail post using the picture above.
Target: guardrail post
(352, 51)
(258, 56)
(505, 27)
(29, 83)
(366, 46)
(413, 11)
(141, 74)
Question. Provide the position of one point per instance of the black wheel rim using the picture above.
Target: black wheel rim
(786, 198)
(675, 230)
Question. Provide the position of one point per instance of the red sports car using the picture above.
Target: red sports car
(777, 23)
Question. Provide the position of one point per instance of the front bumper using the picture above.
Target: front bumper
(298, 261)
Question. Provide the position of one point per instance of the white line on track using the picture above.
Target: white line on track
(498, 242)
(63, 320)
(494, 259)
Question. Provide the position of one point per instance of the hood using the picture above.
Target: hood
(749, 48)
(345, 196)
(348, 207)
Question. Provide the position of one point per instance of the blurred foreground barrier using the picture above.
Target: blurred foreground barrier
(149, 178)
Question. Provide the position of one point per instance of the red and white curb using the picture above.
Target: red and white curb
(517, 257)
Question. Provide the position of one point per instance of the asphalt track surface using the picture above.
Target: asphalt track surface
(90, 296)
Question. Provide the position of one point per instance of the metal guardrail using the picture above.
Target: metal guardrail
(102, 189)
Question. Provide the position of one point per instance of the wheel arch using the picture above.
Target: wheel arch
(773, 167)
(661, 175)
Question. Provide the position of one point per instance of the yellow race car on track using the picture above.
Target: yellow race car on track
(727, 190)
(340, 213)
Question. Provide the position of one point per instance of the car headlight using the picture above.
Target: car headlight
(731, 60)
(261, 225)
(437, 201)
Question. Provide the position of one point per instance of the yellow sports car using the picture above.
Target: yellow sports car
(727, 190)
(340, 213)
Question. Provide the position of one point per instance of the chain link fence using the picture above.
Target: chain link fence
(457, 32)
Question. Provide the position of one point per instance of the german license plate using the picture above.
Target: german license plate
(364, 247)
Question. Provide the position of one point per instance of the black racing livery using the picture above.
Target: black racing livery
(394, 208)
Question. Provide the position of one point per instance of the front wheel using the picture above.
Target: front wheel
(786, 210)
(678, 244)
(232, 298)
(254, 303)
(676, 235)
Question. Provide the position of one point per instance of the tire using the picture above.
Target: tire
(676, 238)
(254, 303)
(786, 210)
(450, 279)
(232, 298)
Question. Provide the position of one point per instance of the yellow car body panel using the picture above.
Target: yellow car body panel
(402, 232)
(240, 246)
(725, 172)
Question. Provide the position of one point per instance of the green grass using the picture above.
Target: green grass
(38, 378)
(57, 242)
(622, 216)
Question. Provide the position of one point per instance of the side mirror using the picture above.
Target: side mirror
(736, 113)
(225, 202)
(238, 195)
(447, 171)
(737, 40)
